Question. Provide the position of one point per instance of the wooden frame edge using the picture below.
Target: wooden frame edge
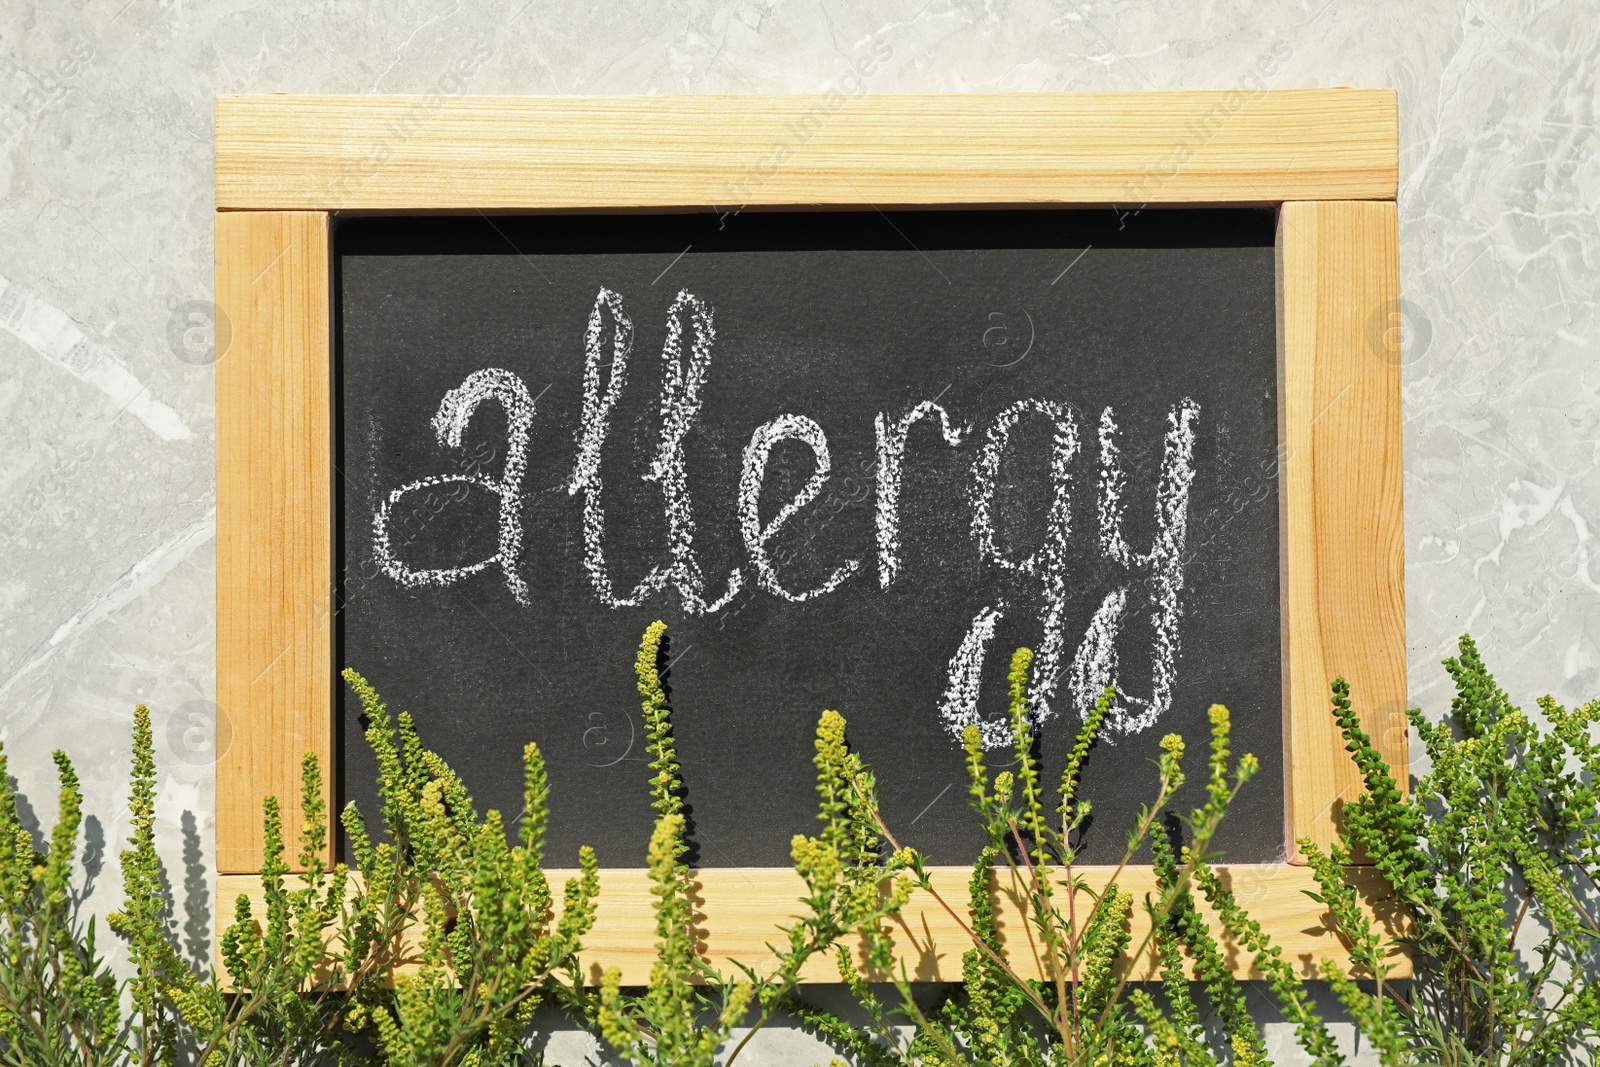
(274, 520)
(1342, 524)
(406, 153)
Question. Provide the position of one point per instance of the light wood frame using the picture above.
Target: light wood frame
(1327, 158)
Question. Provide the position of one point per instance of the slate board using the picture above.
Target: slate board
(837, 317)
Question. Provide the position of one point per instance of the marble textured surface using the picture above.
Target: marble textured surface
(106, 412)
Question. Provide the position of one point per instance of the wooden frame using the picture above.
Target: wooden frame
(1328, 158)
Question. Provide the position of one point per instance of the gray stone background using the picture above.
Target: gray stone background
(106, 412)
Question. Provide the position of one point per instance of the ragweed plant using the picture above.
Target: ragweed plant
(279, 1002)
(689, 1010)
(666, 1025)
(1183, 925)
(433, 954)
(490, 946)
(58, 999)
(1495, 857)
(434, 950)
(1079, 1010)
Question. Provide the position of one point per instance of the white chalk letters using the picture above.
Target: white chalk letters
(1095, 666)
(592, 427)
(455, 411)
(1155, 576)
(753, 472)
(1047, 566)
(680, 406)
(891, 454)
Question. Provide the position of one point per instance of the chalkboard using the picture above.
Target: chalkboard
(853, 459)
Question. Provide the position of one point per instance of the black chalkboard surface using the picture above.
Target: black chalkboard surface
(853, 460)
